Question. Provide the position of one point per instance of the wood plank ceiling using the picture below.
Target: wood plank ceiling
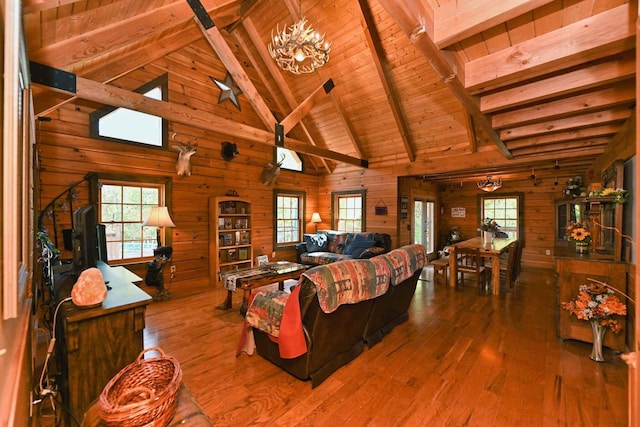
(536, 83)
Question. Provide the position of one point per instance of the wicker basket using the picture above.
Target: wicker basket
(143, 393)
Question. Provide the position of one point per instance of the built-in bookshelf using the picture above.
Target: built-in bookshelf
(230, 246)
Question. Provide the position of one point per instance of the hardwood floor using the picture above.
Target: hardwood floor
(463, 358)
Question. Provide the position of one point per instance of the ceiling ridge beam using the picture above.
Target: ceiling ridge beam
(116, 97)
(616, 70)
(413, 23)
(456, 21)
(605, 34)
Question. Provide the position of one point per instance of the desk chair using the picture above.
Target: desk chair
(469, 261)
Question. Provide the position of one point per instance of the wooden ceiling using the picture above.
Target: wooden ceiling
(536, 85)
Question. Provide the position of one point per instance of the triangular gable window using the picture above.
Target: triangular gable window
(125, 125)
(291, 159)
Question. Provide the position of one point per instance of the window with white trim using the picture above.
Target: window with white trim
(289, 211)
(348, 211)
(123, 206)
(506, 211)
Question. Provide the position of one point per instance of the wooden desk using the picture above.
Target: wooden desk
(491, 250)
(95, 343)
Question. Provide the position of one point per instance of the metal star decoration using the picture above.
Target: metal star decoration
(229, 90)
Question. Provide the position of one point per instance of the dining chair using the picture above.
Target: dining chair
(469, 261)
(509, 267)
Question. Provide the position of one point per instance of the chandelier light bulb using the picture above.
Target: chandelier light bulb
(299, 55)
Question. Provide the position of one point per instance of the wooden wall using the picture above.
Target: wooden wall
(66, 154)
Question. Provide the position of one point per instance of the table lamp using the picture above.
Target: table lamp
(159, 217)
(315, 218)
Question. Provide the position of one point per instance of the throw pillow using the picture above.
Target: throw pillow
(358, 246)
(316, 242)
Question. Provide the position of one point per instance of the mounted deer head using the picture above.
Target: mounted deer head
(183, 165)
(271, 172)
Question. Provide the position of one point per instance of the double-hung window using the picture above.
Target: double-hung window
(123, 206)
(289, 217)
(348, 209)
(507, 211)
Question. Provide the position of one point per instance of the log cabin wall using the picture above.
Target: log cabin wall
(66, 154)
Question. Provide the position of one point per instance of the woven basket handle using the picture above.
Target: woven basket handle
(135, 391)
(158, 349)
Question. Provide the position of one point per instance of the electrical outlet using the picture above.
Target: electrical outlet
(548, 252)
(173, 269)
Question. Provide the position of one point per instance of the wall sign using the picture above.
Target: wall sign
(404, 207)
(458, 212)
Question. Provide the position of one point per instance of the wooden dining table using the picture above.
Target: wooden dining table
(491, 250)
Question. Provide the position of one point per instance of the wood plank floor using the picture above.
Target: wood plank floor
(463, 358)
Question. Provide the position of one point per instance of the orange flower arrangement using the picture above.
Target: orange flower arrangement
(597, 302)
(578, 232)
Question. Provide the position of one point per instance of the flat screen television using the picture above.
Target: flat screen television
(85, 238)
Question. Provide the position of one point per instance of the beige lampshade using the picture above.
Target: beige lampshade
(159, 217)
(316, 217)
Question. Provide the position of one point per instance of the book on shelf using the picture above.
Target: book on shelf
(227, 239)
(243, 254)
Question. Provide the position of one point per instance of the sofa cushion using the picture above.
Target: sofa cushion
(348, 282)
(316, 242)
(404, 261)
(321, 258)
(358, 245)
(265, 311)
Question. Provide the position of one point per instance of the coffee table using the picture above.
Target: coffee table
(251, 278)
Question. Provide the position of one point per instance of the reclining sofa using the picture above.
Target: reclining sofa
(327, 246)
(333, 311)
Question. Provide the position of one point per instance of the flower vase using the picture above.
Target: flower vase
(487, 236)
(582, 247)
(598, 339)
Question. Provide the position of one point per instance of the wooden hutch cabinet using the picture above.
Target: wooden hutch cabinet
(94, 344)
(230, 247)
(603, 262)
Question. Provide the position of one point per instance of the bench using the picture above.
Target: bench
(440, 267)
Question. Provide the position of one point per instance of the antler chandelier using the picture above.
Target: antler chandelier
(299, 49)
(489, 185)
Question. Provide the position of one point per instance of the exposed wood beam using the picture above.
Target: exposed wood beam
(274, 71)
(623, 94)
(574, 145)
(558, 138)
(104, 39)
(269, 87)
(45, 103)
(240, 77)
(305, 106)
(412, 18)
(471, 132)
(111, 95)
(583, 79)
(585, 120)
(378, 56)
(457, 20)
(30, 6)
(605, 34)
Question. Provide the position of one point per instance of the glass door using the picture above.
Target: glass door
(424, 224)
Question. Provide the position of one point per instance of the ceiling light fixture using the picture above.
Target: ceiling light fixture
(299, 49)
(489, 185)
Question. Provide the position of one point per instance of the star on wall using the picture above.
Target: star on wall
(229, 90)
